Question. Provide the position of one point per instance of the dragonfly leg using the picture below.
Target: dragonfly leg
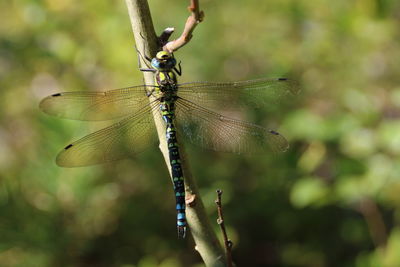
(149, 93)
(145, 56)
(179, 70)
(147, 70)
(145, 59)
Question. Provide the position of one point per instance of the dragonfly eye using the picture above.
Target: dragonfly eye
(157, 64)
(163, 63)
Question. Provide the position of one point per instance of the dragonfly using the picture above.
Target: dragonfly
(185, 109)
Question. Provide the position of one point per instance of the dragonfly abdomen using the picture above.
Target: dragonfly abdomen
(167, 111)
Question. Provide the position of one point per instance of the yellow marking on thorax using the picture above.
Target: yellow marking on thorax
(161, 75)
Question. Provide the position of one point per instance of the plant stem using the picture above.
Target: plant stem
(200, 227)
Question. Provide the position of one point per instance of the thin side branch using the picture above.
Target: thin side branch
(220, 220)
(195, 18)
(373, 217)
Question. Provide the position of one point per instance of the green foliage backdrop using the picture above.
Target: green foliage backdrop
(331, 200)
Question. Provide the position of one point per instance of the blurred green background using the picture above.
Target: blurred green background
(332, 200)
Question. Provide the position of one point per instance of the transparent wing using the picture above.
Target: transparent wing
(96, 105)
(129, 136)
(216, 132)
(253, 93)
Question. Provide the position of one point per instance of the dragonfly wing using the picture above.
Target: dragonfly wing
(254, 93)
(96, 105)
(216, 132)
(130, 136)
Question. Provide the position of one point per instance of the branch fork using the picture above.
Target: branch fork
(195, 18)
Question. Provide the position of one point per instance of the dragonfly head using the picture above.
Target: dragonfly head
(163, 61)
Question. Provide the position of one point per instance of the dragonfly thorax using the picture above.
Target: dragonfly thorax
(166, 80)
(171, 98)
